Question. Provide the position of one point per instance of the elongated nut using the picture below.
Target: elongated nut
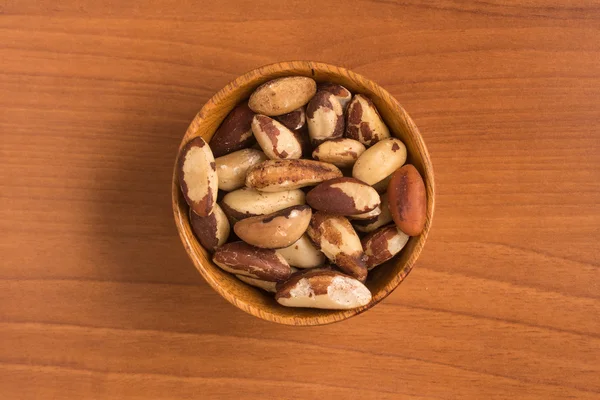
(196, 170)
(282, 95)
(247, 202)
(259, 283)
(278, 175)
(384, 218)
(341, 93)
(343, 196)
(243, 259)
(324, 289)
(277, 141)
(232, 168)
(336, 238)
(408, 200)
(276, 230)
(341, 152)
(302, 254)
(364, 122)
(383, 244)
(211, 231)
(234, 133)
(325, 118)
(366, 215)
(379, 161)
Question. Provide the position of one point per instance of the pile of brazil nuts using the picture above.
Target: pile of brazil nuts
(314, 186)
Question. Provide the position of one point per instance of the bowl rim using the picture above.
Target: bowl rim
(199, 259)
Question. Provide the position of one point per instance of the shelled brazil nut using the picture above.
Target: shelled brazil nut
(288, 210)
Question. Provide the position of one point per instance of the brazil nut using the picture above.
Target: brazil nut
(325, 118)
(383, 218)
(364, 122)
(341, 152)
(282, 95)
(278, 175)
(336, 238)
(379, 161)
(243, 259)
(341, 93)
(302, 254)
(196, 170)
(343, 196)
(408, 200)
(247, 202)
(277, 141)
(212, 231)
(235, 132)
(383, 244)
(232, 168)
(275, 230)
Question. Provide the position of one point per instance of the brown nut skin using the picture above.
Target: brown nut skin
(324, 117)
(364, 122)
(278, 175)
(294, 120)
(211, 231)
(341, 152)
(277, 230)
(243, 259)
(343, 196)
(232, 168)
(277, 141)
(383, 244)
(197, 174)
(234, 133)
(336, 238)
(408, 200)
(370, 224)
(283, 95)
(341, 93)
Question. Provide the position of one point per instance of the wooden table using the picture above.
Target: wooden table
(98, 299)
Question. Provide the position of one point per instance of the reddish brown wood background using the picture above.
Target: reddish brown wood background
(99, 301)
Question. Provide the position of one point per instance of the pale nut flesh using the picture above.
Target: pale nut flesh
(325, 118)
(196, 171)
(364, 122)
(383, 244)
(384, 218)
(343, 196)
(241, 258)
(325, 289)
(379, 161)
(276, 230)
(282, 95)
(341, 152)
(247, 202)
(336, 238)
(277, 141)
(233, 167)
(211, 231)
(303, 254)
(278, 175)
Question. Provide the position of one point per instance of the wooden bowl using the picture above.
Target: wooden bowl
(383, 279)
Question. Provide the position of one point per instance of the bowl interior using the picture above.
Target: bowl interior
(383, 279)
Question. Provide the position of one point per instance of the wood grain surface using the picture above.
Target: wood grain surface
(98, 299)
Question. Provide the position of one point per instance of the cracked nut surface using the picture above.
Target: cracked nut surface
(322, 288)
(379, 161)
(283, 95)
(196, 170)
(275, 230)
(343, 196)
(278, 175)
(336, 238)
(243, 259)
